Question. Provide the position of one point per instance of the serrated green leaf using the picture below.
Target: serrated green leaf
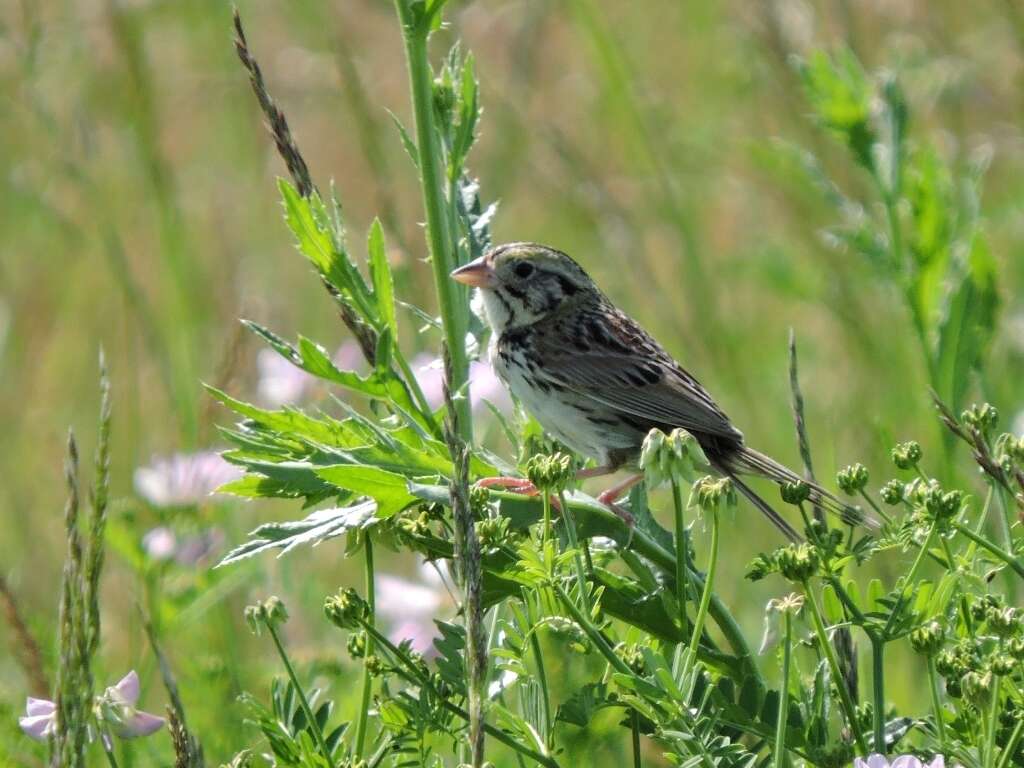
(381, 278)
(388, 489)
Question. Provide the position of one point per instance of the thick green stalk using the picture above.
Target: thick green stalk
(318, 735)
(451, 298)
(1011, 746)
(635, 727)
(367, 684)
(837, 675)
(705, 597)
(780, 724)
(992, 722)
(878, 689)
(940, 723)
(680, 520)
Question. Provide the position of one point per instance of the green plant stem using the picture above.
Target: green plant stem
(303, 701)
(876, 507)
(878, 690)
(705, 597)
(635, 727)
(1011, 745)
(108, 748)
(940, 723)
(1006, 557)
(542, 675)
(413, 675)
(991, 722)
(367, 684)
(826, 648)
(570, 532)
(591, 631)
(680, 520)
(451, 298)
(780, 724)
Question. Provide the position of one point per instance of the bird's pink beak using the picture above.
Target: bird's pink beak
(476, 274)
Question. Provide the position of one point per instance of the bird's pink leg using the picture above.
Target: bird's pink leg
(613, 494)
(515, 485)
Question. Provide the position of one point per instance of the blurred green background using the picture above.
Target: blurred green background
(648, 140)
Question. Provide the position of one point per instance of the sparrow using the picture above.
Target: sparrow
(598, 382)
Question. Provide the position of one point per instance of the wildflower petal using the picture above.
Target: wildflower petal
(38, 727)
(35, 707)
(128, 688)
(140, 724)
(906, 761)
(938, 762)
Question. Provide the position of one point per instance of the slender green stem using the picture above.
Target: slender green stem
(303, 701)
(680, 519)
(635, 727)
(591, 631)
(108, 747)
(542, 675)
(878, 690)
(780, 723)
(940, 722)
(837, 675)
(1011, 746)
(992, 721)
(547, 516)
(367, 685)
(569, 521)
(1002, 554)
(705, 598)
(414, 386)
(875, 506)
(451, 297)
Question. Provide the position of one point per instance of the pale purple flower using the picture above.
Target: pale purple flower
(1018, 425)
(904, 761)
(409, 608)
(162, 543)
(281, 382)
(183, 479)
(40, 720)
(116, 707)
(483, 383)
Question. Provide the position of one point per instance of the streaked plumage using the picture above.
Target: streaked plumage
(594, 378)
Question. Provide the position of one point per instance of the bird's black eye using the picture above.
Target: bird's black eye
(524, 269)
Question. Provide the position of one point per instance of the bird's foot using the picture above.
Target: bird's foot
(616, 492)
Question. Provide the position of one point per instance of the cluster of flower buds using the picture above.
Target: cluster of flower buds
(928, 638)
(271, 613)
(892, 492)
(356, 645)
(712, 495)
(1009, 452)
(551, 473)
(346, 610)
(954, 664)
(413, 525)
(673, 457)
(907, 455)
(494, 533)
(796, 562)
(795, 493)
(1003, 621)
(631, 656)
(940, 505)
(982, 418)
(853, 479)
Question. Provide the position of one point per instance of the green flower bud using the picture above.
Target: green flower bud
(254, 617)
(927, 640)
(632, 656)
(795, 493)
(853, 479)
(892, 492)
(271, 612)
(711, 495)
(1015, 647)
(760, 567)
(414, 526)
(907, 455)
(550, 474)
(356, 645)
(947, 664)
(1003, 664)
(479, 500)
(942, 506)
(677, 456)
(493, 533)
(982, 417)
(977, 686)
(798, 562)
(981, 608)
(1003, 622)
(374, 665)
(346, 610)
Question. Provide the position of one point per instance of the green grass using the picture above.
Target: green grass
(140, 213)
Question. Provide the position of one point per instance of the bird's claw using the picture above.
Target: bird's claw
(518, 485)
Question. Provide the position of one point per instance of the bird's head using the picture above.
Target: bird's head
(523, 282)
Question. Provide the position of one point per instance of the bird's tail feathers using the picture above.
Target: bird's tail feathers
(765, 508)
(749, 461)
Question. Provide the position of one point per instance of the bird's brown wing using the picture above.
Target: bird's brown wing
(612, 361)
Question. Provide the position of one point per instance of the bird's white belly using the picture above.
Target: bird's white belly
(557, 413)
